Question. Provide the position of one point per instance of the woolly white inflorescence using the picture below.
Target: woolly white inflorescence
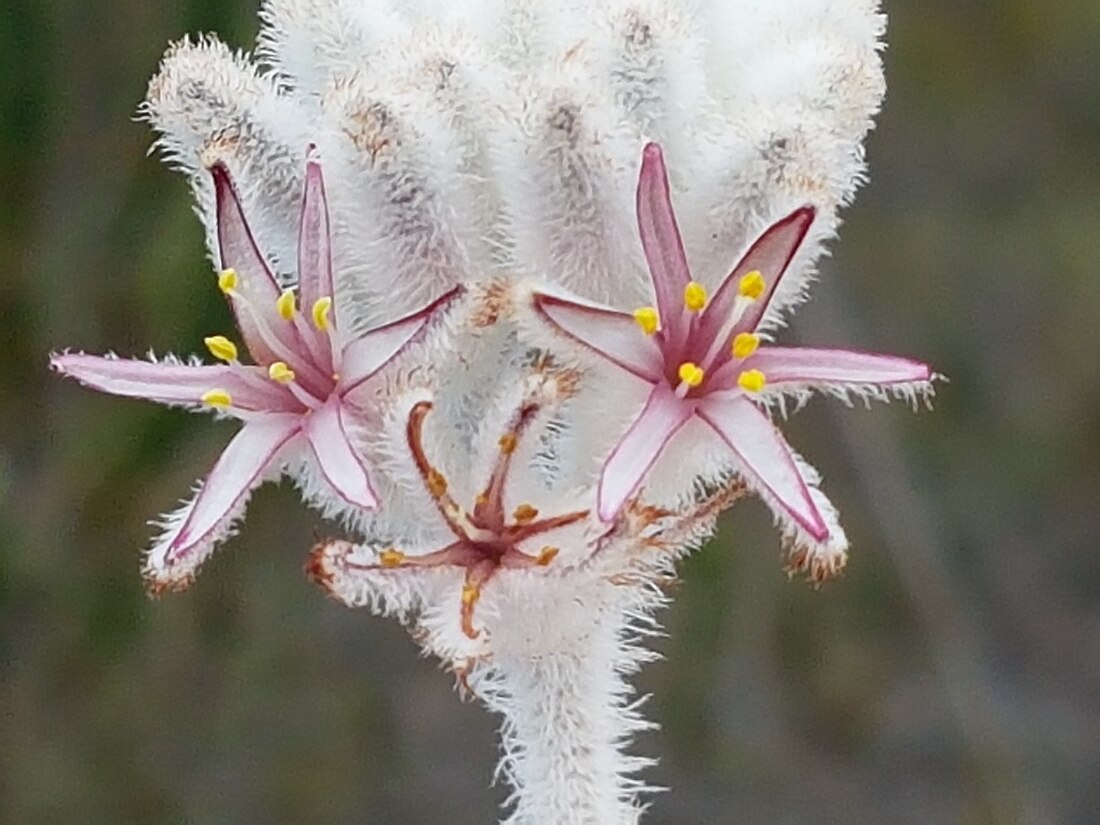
(495, 145)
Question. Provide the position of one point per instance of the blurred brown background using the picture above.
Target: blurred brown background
(952, 676)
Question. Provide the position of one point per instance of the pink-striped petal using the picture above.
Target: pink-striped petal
(614, 335)
(339, 461)
(623, 472)
(368, 353)
(664, 248)
(770, 254)
(813, 365)
(256, 284)
(315, 270)
(240, 468)
(765, 457)
(314, 240)
(174, 383)
(820, 366)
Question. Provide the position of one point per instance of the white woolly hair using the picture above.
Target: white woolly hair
(506, 136)
(209, 103)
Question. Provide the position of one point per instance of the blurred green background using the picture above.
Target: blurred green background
(952, 676)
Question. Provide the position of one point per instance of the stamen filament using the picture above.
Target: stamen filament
(280, 373)
(739, 307)
(306, 398)
(273, 342)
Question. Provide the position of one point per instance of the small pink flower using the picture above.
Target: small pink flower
(705, 358)
(293, 400)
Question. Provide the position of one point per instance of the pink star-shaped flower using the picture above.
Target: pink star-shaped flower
(705, 358)
(293, 401)
(485, 539)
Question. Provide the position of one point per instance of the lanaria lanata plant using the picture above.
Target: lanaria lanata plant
(508, 274)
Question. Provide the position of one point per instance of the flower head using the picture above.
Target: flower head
(293, 401)
(495, 146)
(484, 538)
(706, 357)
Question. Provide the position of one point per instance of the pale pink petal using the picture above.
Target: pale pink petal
(315, 268)
(175, 383)
(314, 240)
(371, 351)
(239, 469)
(810, 365)
(339, 461)
(256, 284)
(770, 254)
(819, 366)
(664, 414)
(765, 457)
(664, 249)
(614, 335)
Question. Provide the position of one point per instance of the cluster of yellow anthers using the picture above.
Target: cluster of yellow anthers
(225, 350)
(750, 288)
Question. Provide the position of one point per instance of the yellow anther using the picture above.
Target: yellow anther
(321, 308)
(647, 319)
(525, 514)
(745, 344)
(437, 484)
(507, 443)
(391, 558)
(470, 594)
(691, 374)
(217, 398)
(280, 372)
(752, 380)
(227, 280)
(695, 296)
(547, 555)
(285, 304)
(752, 285)
(221, 347)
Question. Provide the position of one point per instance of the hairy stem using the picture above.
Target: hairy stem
(567, 715)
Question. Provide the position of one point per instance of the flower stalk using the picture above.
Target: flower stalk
(567, 721)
